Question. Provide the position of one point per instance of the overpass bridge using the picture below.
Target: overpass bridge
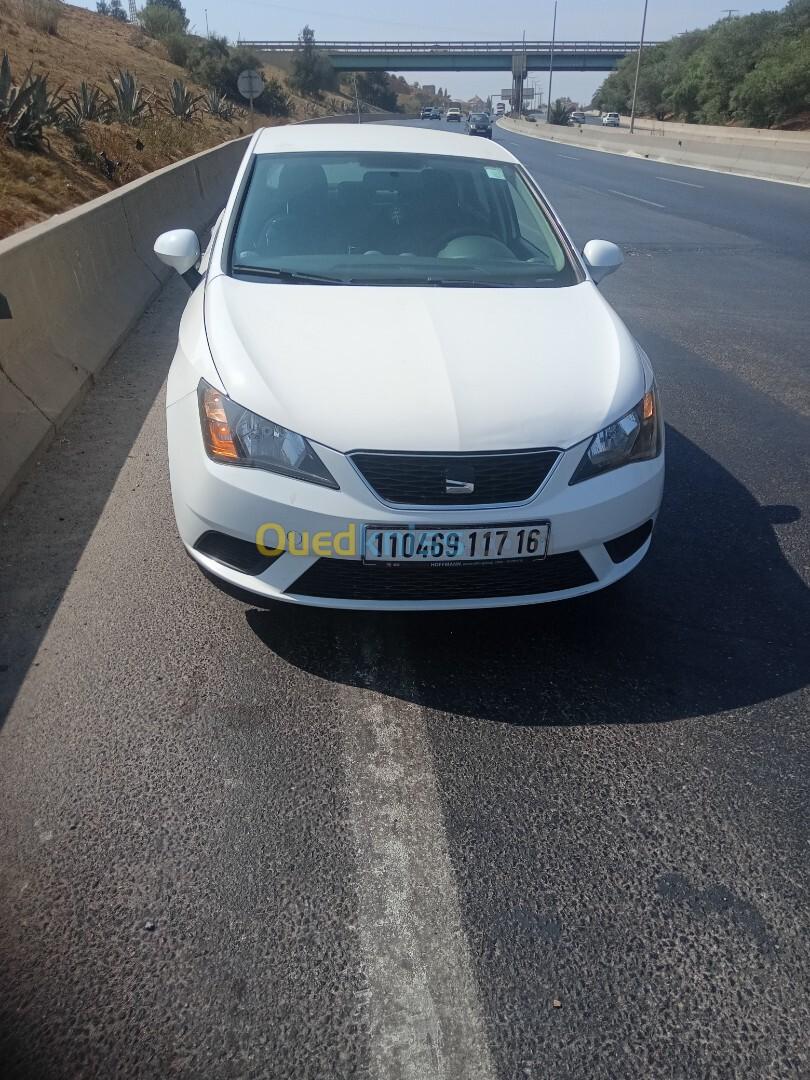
(462, 55)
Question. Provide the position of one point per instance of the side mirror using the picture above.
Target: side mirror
(180, 249)
(602, 258)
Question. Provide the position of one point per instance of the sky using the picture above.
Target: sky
(369, 20)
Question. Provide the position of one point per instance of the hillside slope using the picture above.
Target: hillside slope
(92, 48)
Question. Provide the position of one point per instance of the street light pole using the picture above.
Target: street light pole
(638, 68)
(551, 64)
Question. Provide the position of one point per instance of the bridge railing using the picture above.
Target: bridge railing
(457, 47)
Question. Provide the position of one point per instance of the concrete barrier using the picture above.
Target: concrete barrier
(76, 285)
(780, 156)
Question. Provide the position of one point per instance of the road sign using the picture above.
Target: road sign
(250, 84)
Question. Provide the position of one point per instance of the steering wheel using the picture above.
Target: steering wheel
(463, 230)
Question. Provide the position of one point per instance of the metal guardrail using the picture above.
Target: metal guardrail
(458, 47)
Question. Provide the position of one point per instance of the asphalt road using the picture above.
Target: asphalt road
(569, 841)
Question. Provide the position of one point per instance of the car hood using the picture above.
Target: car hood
(412, 368)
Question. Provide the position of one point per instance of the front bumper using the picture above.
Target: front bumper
(211, 498)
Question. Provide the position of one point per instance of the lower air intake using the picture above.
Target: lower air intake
(347, 579)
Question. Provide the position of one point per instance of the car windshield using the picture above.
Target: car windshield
(404, 219)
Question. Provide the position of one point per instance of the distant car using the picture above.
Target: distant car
(576, 117)
(435, 114)
(426, 113)
(453, 116)
(479, 124)
(611, 119)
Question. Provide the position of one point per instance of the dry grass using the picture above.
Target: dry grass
(42, 15)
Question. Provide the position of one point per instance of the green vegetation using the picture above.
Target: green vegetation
(87, 103)
(27, 109)
(560, 111)
(217, 104)
(127, 102)
(376, 88)
(163, 20)
(114, 9)
(181, 103)
(312, 72)
(752, 70)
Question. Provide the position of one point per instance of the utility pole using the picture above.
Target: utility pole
(207, 34)
(638, 68)
(729, 11)
(522, 79)
(551, 64)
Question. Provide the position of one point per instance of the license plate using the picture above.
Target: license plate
(473, 543)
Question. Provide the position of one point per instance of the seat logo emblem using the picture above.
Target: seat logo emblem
(458, 487)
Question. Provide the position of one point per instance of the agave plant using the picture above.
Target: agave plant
(216, 104)
(86, 103)
(28, 108)
(181, 102)
(128, 105)
(6, 85)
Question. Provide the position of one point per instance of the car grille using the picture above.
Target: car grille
(422, 479)
(348, 579)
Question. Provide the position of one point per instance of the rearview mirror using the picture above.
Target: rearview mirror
(180, 249)
(602, 258)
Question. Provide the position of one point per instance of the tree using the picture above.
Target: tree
(374, 88)
(750, 69)
(117, 11)
(779, 86)
(172, 5)
(312, 71)
(162, 18)
(560, 111)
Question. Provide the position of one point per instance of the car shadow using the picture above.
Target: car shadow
(715, 618)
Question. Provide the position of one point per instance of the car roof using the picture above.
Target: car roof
(375, 138)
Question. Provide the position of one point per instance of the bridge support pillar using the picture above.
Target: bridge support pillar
(518, 79)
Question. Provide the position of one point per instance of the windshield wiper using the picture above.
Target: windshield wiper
(439, 283)
(289, 275)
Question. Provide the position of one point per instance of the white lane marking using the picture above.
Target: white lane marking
(571, 157)
(421, 1002)
(635, 198)
(683, 183)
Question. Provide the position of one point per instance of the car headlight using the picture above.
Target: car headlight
(636, 436)
(235, 436)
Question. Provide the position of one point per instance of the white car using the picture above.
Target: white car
(352, 424)
(453, 116)
(611, 119)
